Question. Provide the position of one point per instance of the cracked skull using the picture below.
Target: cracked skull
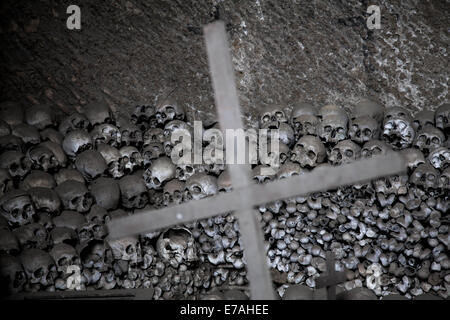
(439, 158)
(127, 249)
(397, 128)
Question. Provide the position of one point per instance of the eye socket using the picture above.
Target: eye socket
(327, 129)
(75, 200)
(435, 140)
(367, 132)
(38, 273)
(401, 114)
(196, 189)
(340, 130)
(422, 138)
(311, 155)
(431, 176)
(129, 249)
(376, 150)
(266, 118)
(349, 153)
(279, 115)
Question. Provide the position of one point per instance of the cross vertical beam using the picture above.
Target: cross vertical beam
(332, 278)
(229, 113)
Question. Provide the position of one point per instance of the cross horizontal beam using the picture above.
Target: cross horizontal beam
(320, 179)
(114, 294)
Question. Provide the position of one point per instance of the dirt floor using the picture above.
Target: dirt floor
(133, 51)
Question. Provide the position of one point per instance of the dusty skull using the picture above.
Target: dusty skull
(98, 112)
(74, 196)
(91, 230)
(305, 124)
(344, 152)
(69, 219)
(302, 108)
(176, 246)
(309, 151)
(395, 184)
(106, 193)
(224, 182)
(17, 164)
(368, 107)
(272, 113)
(284, 130)
(130, 159)
(143, 114)
(11, 112)
(200, 185)
(39, 266)
(17, 208)
(152, 151)
(12, 273)
(74, 121)
(29, 134)
(45, 199)
(98, 215)
(9, 244)
(6, 183)
(439, 158)
(11, 142)
(397, 128)
(64, 256)
(330, 109)
(363, 129)
(57, 151)
(133, 192)
(42, 158)
(32, 235)
(5, 129)
(127, 248)
(91, 164)
(64, 235)
(374, 147)
(428, 139)
(112, 158)
(154, 135)
(260, 174)
(442, 117)
(444, 179)
(423, 119)
(68, 174)
(96, 254)
(77, 141)
(169, 110)
(50, 134)
(290, 169)
(38, 178)
(131, 134)
(160, 171)
(173, 191)
(413, 157)
(40, 116)
(425, 176)
(333, 128)
(106, 133)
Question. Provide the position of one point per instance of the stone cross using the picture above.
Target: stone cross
(332, 278)
(246, 195)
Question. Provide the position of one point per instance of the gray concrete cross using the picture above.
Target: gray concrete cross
(245, 195)
(331, 278)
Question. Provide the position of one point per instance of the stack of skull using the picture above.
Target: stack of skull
(61, 181)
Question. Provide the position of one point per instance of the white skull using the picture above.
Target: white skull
(439, 158)
(169, 110)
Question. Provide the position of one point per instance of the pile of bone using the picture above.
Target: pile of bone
(61, 181)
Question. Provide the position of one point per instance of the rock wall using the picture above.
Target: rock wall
(130, 52)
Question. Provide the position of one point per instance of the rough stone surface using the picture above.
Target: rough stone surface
(130, 52)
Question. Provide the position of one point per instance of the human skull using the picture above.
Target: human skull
(152, 151)
(11, 142)
(131, 134)
(64, 235)
(6, 183)
(298, 292)
(74, 196)
(425, 176)
(374, 147)
(160, 171)
(176, 246)
(69, 219)
(112, 158)
(74, 121)
(106, 193)
(413, 157)
(397, 128)
(98, 112)
(133, 192)
(15, 162)
(439, 158)
(17, 208)
(50, 134)
(423, 119)
(173, 191)
(38, 178)
(29, 134)
(200, 185)
(309, 151)
(106, 133)
(64, 256)
(345, 151)
(272, 113)
(127, 249)
(154, 135)
(40, 116)
(261, 174)
(169, 110)
(143, 114)
(368, 107)
(333, 128)
(9, 244)
(96, 254)
(12, 273)
(442, 117)
(394, 184)
(5, 130)
(224, 182)
(300, 109)
(32, 235)
(68, 174)
(11, 112)
(290, 169)
(444, 179)
(305, 124)
(130, 159)
(57, 151)
(91, 164)
(77, 141)
(363, 129)
(98, 215)
(45, 200)
(39, 266)
(428, 139)
(42, 158)
(91, 230)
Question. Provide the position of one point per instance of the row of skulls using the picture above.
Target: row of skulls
(61, 181)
